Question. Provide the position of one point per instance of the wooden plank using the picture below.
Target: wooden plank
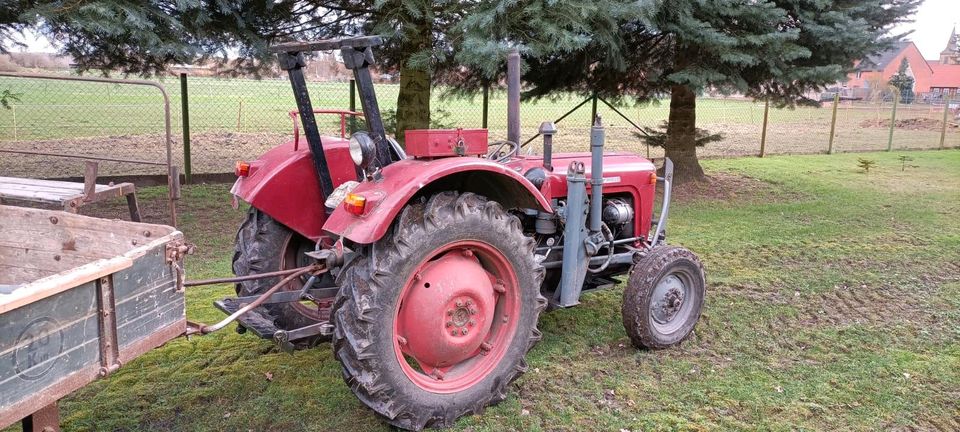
(50, 285)
(146, 297)
(17, 189)
(100, 195)
(77, 188)
(20, 276)
(71, 195)
(36, 196)
(25, 257)
(83, 243)
(52, 184)
(28, 181)
(89, 179)
(47, 350)
(58, 231)
(30, 218)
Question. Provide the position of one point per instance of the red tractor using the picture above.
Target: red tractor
(440, 257)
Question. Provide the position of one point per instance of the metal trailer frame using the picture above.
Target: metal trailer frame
(173, 171)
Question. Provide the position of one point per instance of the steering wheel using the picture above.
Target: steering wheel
(503, 151)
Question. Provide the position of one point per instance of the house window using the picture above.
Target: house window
(859, 74)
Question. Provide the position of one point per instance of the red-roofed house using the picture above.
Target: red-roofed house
(941, 76)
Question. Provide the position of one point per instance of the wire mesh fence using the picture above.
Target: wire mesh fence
(239, 119)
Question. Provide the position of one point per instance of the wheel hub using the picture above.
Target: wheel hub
(667, 299)
(448, 313)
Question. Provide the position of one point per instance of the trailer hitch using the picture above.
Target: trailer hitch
(203, 329)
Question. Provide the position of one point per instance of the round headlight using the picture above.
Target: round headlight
(361, 149)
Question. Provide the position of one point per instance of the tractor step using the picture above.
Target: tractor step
(253, 320)
(595, 283)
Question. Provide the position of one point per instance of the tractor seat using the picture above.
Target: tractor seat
(327, 44)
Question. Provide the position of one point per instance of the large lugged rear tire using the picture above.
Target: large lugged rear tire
(663, 297)
(434, 321)
(265, 245)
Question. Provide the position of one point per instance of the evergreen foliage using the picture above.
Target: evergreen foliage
(903, 82)
(779, 50)
(144, 37)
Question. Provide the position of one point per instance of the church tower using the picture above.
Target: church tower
(951, 55)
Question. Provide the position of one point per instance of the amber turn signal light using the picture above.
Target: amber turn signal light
(241, 169)
(653, 178)
(354, 204)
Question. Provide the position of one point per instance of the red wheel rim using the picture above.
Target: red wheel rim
(292, 257)
(457, 315)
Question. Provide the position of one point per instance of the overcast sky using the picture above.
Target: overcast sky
(932, 25)
(931, 28)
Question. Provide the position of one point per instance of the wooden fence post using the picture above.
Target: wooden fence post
(593, 110)
(239, 112)
(763, 134)
(833, 122)
(893, 117)
(946, 112)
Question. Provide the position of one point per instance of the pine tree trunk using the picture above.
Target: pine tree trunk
(681, 145)
(413, 100)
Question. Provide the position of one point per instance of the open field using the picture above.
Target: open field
(240, 119)
(833, 304)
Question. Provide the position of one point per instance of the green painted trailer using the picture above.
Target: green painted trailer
(79, 298)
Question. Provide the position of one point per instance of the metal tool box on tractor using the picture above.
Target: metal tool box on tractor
(427, 267)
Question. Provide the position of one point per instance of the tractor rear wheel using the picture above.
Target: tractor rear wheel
(663, 297)
(265, 245)
(434, 321)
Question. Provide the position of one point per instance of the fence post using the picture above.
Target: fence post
(893, 118)
(14, 108)
(593, 110)
(763, 134)
(239, 112)
(185, 125)
(946, 111)
(353, 106)
(833, 122)
(486, 104)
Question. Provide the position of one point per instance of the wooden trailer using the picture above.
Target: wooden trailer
(79, 297)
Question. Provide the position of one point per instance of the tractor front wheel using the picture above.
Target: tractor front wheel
(663, 297)
(434, 320)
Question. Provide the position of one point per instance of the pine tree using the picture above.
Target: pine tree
(903, 82)
(775, 49)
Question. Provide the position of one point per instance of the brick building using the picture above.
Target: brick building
(935, 77)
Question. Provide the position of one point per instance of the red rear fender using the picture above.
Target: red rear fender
(283, 184)
(405, 179)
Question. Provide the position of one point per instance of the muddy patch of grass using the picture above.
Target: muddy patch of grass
(734, 187)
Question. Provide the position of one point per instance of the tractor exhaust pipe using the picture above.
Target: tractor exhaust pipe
(513, 96)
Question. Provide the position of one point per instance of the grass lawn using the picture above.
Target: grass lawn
(833, 304)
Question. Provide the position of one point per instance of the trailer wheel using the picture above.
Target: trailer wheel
(434, 321)
(265, 245)
(663, 297)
